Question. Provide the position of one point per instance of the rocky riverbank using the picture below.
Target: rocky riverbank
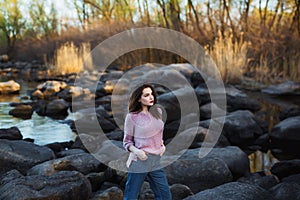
(69, 171)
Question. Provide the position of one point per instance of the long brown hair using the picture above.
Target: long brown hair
(135, 105)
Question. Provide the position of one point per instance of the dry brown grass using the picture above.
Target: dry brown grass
(230, 57)
(72, 59)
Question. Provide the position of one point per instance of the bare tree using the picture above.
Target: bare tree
(190, 4)
(162, 5)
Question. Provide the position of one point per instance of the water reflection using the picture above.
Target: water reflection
(260, 161)
(270, 110)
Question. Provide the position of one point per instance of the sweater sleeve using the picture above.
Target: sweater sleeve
(128, 139)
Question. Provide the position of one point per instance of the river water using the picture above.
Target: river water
(43, 130)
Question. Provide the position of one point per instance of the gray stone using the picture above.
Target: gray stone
(12, 133)
(233, 191)
(65, 185)
(22, 155)
(286, 88)
(84, 163)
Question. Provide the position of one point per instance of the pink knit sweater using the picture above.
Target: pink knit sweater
(144, 132)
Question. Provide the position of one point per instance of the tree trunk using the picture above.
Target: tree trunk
(175, 14)
(162, 5)
(209, 19)
(246, 13)
(190, 3)
(275, 14)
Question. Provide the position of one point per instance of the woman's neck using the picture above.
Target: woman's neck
(145, 109)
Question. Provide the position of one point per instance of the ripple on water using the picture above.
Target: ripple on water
(43, 130)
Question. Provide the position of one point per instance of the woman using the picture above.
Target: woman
(143, 132)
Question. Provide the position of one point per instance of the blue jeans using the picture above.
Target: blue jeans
(149, 170)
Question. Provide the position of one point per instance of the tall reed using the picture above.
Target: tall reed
(230, 56)
(72, 59)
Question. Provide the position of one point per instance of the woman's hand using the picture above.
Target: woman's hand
(163, 150)
(141, 154)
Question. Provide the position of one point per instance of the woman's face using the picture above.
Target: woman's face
(147, 98)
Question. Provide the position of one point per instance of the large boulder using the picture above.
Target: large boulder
(285, 138)
(285, 190)
(113, 193)
(234, 98)
(21, 155)
(260, 179)
(57, 109)
(12, 133)
(242, 129)
(286, 88)
(233, 191)
(180, 191)
(9, 87)
(286, 168)
(203, 173)
(65, 185)
(83, 162)
(178, 103)
(22, 111)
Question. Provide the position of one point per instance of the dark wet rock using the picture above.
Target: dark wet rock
(21, 155)
(100, 90)
(96, 179)
(12, 133)
(171, 129)
(69, 152)
(59, 146)
(290, 111)
(284, 191)
(74, 92)
(65, 185)
(292, 179)
(286, 168)
(57, 109)
(113, 193)
(9, 87)
(86, 142)
(233, 191)
(146, 192)
(22, 111)
(286, 88)
(262, 143)
(210, 171)
(198, 174)
(90, 124)
(179, 103)
(112, 75)
(229, 95)
(241, 129)
(285, 137)
(40, 107)
(180, 191)
(242, 103)
(105, 102)
(84, 163)
(113, 154)
(207, 109)
(115, 135)
(191, 73)
(260, 179)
